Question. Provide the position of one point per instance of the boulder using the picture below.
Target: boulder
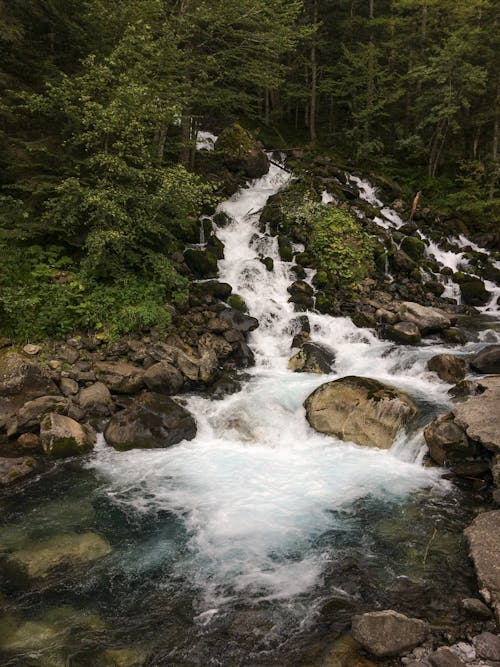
(119, 376)
(238, 320)
(359, 410)
(151, 421)
(413, 247)
(448, 367)
(479, 417)
(428, 320)
(312, 358)
(401, 262)
(241, 152)
(447, 442)
(21, 380)
(238, 303)
(41, 558)
(487, 360)
(163, 378)
(474, 293)
(68, 386)
(29, 416)
(404, 333)
(483, 536)
(445, 657)
(13, 470)
(62, 436)
(388, 633)
(203, 263)
(96, 400)
(487, 646)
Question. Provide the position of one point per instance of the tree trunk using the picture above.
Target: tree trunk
(314, 74)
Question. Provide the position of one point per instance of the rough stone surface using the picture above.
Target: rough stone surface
(445, 657)
(96, 400)
(447, 442)
(448, 367)
(120, 377)
(483, 536)
(476, 607)
(68, 386)
(487, 360)
(62, 436)
(29, 416)
(42, 557)
(312, 358)
(359, 410)
(404, 333)
(479, 416)
(163, 378)
(152, 421)
(428, 320)
(388, 633)
(13, 470)
(21, 380)
(487, 646)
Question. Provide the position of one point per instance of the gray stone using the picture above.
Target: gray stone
(119, 376)
(487, 646)
(448, 367)
(388, 633)
(62, 436)
(96, 400)
(483, 536)
(428, 320)
(151, 421)
(21, 380)
(487, 361)
(445, 657)
(359, 410)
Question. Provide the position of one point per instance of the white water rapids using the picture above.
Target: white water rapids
(257, 487)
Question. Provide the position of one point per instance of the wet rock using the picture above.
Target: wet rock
(448, 367)
(242, 356)
(476, 608)
(285, 249)
(483, 536)
(122, 657)
(465, 388)
(62, 436)
(238, 320)
(29, 416)
(241, 152)
(96, 400)
(151, 421)
(300, 288)
(447, 442)
(413, 247)
(364, 319)
(163, 378)
(359, 410)
(345, 652)
(404, 333)
(401, 262)
(445, 657)
(236, 302)
(454, 336)
(434, 287)
(203, 263)
(13, 470)
(428, 320)
(312, 358)
(21, 380)
(41, 558)
(487, 360)
(487, 646)
(474, 292)
(212, 288)
(388, 633)
(228, 383)
(268, 263)
(29, 442)
(120, 377)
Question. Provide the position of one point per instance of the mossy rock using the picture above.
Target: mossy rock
(320, 279)
(413, 247)
(203, 263)
(285, 249)
(238, 303)
(241, 152)
(474, 293)
(215, 246)
(268, 263)
(454, 336)
(212, 288)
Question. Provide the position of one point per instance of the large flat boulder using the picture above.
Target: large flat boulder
(483, 536)
(152, 421)
(360, 410)
(428, 320)
(487, 360)
(388, 633)
(21, 380)
(479, 416)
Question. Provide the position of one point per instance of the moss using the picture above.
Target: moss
(413, 247)
(238, 303)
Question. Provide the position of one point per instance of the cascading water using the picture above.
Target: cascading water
(228, 549)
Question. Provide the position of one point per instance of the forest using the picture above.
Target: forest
(101, 102)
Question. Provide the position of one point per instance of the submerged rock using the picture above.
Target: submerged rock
(312, 358)
(359, 410)
(483, 536)
(388, 633)
(13, 470)
(40, 558)
(62, 436)
(152, 421)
